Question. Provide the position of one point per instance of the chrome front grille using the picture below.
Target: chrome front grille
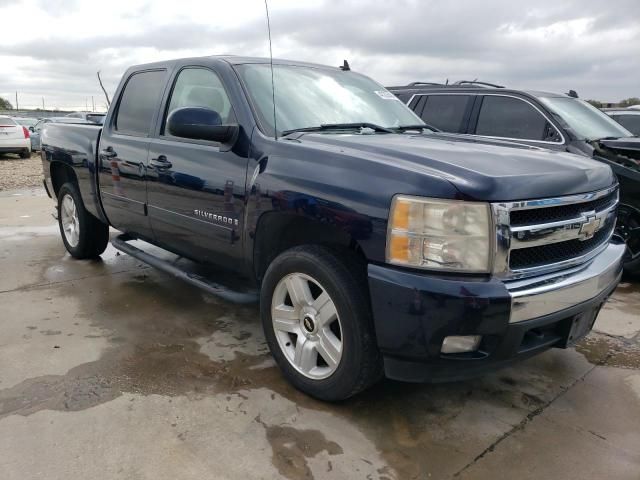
(540, 236)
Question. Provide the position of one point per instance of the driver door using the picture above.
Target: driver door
(195, 189)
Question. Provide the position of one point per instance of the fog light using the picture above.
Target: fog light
(467, 343)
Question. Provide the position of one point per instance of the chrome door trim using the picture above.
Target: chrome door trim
(544, 142)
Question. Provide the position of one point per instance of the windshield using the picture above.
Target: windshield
(584, 119)
(310, 97)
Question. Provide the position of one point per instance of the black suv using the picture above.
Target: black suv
(548, 120)
(629, 118)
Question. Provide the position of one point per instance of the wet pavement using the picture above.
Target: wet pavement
(110, 369)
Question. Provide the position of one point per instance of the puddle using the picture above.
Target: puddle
(610, 351)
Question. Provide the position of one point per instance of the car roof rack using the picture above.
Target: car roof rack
(476, 82)
(415, 84)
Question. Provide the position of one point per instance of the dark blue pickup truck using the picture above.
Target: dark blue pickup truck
(376, 245)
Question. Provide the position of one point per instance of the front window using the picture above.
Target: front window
(311, 97)
(584, 119)
(511, 117)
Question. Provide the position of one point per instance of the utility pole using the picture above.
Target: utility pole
(43, 103)
(17, 107)
(86, 104)
(93, 104)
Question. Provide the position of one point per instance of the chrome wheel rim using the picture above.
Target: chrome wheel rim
(307, 326)
(69, 220)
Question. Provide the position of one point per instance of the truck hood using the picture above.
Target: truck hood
(479, 169)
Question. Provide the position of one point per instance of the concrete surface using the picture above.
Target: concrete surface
(111, 370)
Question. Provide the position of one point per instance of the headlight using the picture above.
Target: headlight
(439, 234)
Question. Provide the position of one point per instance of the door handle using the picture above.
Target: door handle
(108, 152)
(160, 163)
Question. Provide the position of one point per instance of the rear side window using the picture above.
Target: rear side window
(630, 122)
(139, 102)
(510, 118)
(6, 122)
(446, 112)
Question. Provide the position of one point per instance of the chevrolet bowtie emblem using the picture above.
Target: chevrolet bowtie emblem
(589, 228)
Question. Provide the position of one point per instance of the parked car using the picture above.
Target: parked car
(14, 138)
(374, 244)
(629, 118)
(554, 121)
(90, 117)
(28, 122)
(36, 130)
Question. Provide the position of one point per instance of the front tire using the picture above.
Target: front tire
(628, 228)
(83, 235)
(316, 316)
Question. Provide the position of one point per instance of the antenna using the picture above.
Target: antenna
(273, 85)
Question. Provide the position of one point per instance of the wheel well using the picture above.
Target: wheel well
(61, 174)
(277, 232)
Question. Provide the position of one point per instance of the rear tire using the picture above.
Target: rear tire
(26, 153)
(344, 357)
(83, 235)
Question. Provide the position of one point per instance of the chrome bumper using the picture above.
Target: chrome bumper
(545, 294)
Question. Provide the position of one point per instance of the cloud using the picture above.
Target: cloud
(548, 45)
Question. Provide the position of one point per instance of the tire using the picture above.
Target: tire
(26, 153)
(356, 364)
(83, 235)
(628, 228)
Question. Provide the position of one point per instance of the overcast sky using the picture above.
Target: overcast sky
(53, 48)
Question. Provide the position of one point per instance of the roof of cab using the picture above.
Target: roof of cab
(232, 60)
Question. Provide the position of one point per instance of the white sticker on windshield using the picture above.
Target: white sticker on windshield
(386, 95)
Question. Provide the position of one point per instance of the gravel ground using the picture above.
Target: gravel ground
(16, 173)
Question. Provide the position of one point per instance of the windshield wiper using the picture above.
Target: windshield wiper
(339, 126)
(404, 128)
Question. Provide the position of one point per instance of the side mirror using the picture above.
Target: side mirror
(200, 124)
(31, 129)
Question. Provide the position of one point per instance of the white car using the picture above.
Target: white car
(14, 138)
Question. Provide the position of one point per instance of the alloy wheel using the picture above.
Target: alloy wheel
(69, 220)
(307, 326)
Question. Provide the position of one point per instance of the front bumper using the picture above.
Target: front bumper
(414, 312)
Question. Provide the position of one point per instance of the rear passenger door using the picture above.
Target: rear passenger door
(513, 118)
(448, 112)
(124, 148)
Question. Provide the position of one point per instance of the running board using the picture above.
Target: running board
(120, 243)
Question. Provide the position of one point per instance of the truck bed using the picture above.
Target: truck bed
(76, 146)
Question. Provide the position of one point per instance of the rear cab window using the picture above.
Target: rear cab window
(447, 112)
(139, 102)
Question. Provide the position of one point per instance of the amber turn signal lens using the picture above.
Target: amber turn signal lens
(400, 219)
(399, 248)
